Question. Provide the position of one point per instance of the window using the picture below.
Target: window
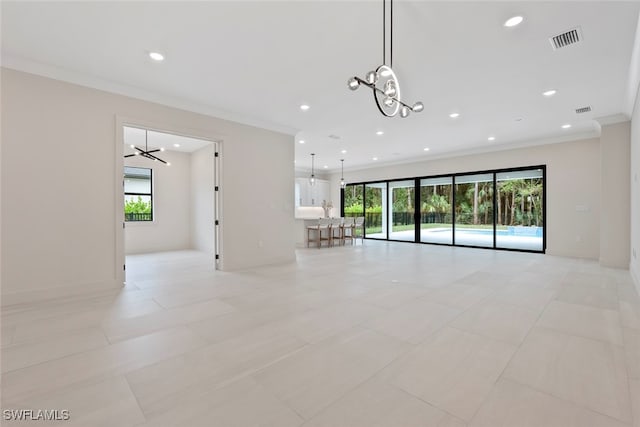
(499, 209)
(138, 197)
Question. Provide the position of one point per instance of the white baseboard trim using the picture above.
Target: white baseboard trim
(15, 300)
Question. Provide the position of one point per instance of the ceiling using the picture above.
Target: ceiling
(257, 62)
(160, 140)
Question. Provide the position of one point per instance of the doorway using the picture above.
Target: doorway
(170, 196)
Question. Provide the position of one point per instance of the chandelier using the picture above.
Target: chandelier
(146, 152)
(312, 178)
(383, 81)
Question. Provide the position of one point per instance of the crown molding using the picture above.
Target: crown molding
(80, 79)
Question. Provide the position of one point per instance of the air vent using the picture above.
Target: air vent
(566, 39)
(583, 109)
(332, 136)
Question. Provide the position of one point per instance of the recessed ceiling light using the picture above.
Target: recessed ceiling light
(161, 148)
(454, 115)
(426, 149)
(519, 119)
(513, 21)
(304, 107)
(176, 145)
(566, 126)
(380, 132)
(326, 167)
(156, 56)
(375, 158)
(343, 151)
(301, 141)
(491, 138)
(549, 92)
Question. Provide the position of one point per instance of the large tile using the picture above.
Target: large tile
(453, 370)
(511, 404)
(312, 379)
(414, 322)
(105, 403)
(459, 295)
(594, 296)
(19, 356)
(632, 351)
(630, 314)
(588, 322)
(240, 404)
(394, 295)
(160, 385)
(528, 296)
(588, 372)
(117, 330)
(316, 325)
(595, 278)
(501, 322)
(100, 363)
(376, 404)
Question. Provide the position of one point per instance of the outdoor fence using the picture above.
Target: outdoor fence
(136, 216)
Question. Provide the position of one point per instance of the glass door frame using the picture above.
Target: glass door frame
(417, 205)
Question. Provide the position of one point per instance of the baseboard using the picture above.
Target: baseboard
(16, 300)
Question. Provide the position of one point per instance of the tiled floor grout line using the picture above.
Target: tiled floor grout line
(518, 347)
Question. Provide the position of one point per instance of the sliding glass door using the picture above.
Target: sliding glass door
(402, 195)
(436, 201)
(501, 209)
(474, 210)
(519, 200)
(375, 204)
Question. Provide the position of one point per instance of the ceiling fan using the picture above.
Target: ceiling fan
(146, 152)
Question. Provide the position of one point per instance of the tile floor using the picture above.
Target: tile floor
(384, 334)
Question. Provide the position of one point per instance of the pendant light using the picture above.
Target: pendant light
(146, 152)
(343, 183)
(383, 82)
(312, 178)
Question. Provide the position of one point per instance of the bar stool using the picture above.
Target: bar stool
(322, 225)
(359, 225)
(336, 226)
(348, 226)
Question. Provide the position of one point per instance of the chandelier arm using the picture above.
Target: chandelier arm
(151, 156)
(380, 91)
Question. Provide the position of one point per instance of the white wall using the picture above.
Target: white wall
(614, 193)
(169, 229)
(573, 179)
(59, 239)
(202, 199)
(634, 264)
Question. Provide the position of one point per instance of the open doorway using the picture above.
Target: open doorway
(169, 200)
